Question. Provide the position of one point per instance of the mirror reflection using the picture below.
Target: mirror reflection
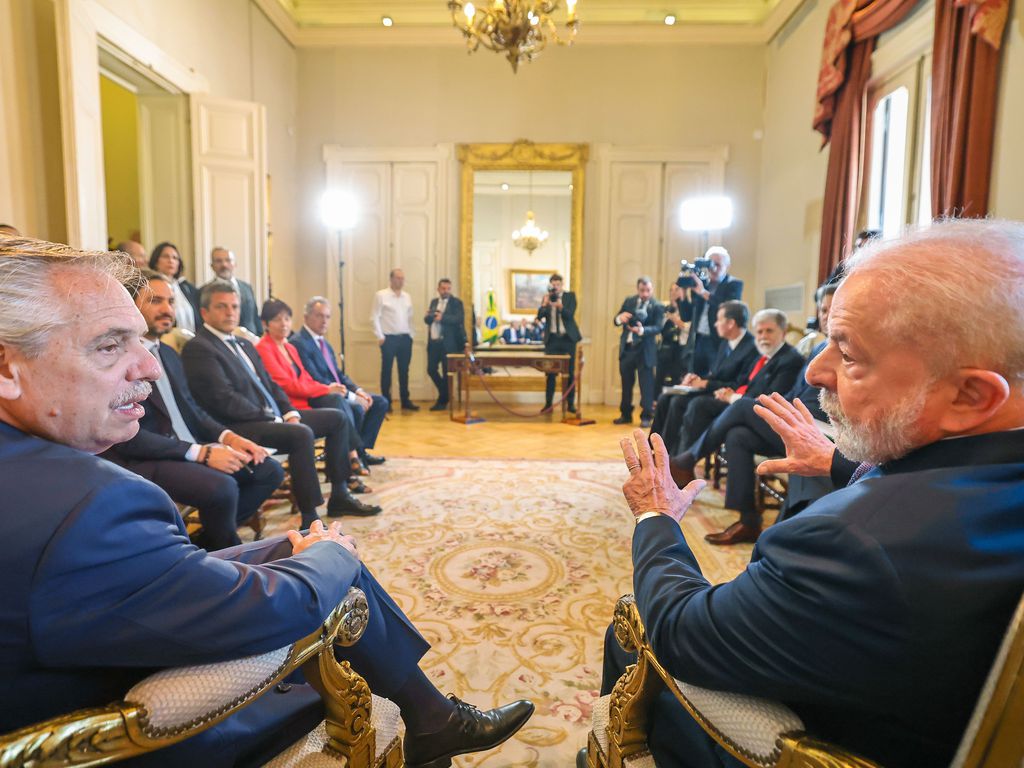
(522, 234)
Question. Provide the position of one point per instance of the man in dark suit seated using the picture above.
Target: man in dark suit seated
(222, 261)
(775, 370)
(699, 307)
(641, 318)
(103, 586)
(735, 357)
(745, 434)
(876, 612)
(366, 412)
(516, 333)
(227, 378)
(180, 447)
(446, 335)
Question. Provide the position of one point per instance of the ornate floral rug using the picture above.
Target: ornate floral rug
(511, 570)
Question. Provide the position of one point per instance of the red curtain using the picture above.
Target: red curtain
(965, 79)
(853, 27)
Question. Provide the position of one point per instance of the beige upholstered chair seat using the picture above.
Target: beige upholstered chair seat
(308, 752)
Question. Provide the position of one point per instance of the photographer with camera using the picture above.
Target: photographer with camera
(561, 334)
(671, 353)
(641, 318)
(706, 284)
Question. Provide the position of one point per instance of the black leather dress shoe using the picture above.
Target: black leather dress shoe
(343, 503)
(371, 461)
(439, 406)
(622, 420)
(355, 485)
(467, 730)
(410, 406)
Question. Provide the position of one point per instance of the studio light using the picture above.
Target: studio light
(704, 214)
(338, 209)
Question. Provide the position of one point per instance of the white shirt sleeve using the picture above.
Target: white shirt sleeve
(378, 303)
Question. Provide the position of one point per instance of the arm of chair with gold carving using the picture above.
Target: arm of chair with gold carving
(758, 732)
(175, 704)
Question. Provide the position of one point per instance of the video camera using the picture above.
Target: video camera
(690, 273)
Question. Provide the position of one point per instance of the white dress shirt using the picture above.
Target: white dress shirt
(435, 326)
(392, 314)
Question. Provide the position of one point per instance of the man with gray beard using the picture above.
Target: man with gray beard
(876, 613)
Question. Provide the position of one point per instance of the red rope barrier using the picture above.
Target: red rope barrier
(546, 411)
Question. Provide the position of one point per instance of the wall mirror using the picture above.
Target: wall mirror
(502, 184)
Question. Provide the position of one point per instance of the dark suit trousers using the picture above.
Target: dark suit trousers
(631, 368)
(348, 410)
(674, 738)
(224, 501)
(701, 413)
(297, 441)
(371, 421)
(702, 354)
(396, 347)
(437, 367)
(560, 345)
(668, 418)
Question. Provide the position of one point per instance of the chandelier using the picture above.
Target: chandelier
(518, 28)
(530, 237)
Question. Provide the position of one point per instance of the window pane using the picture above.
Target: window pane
(889, 163)
(924, 197)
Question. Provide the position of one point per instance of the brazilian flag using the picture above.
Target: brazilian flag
(489, 333)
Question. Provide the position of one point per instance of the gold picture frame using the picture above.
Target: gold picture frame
(521, 155)
(526, 289)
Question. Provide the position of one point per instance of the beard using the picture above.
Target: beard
(887, 436)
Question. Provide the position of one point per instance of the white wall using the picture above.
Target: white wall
(628, 96)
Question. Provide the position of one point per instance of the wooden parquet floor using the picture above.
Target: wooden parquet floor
(502, 435)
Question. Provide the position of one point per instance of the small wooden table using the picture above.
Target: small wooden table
(463, 369)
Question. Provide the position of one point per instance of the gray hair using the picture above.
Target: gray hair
(212, 287)
(923, 302)
(313, 302)
(719, 250)
(28, 269)
(771, 315)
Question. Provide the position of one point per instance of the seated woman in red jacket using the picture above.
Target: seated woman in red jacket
(281, 359)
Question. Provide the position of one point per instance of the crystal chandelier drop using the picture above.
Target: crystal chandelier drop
(518, 28)
(530, 237)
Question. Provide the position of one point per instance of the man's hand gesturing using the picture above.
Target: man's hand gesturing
(808, 451)
(650, 487)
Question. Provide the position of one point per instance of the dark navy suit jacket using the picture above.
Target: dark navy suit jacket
(875, 613)
(314, 362)
(104, 587)
(652, 327)
(728, 289)
(730, 369)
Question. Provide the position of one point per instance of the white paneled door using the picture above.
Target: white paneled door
(400, 224)
(229, 161)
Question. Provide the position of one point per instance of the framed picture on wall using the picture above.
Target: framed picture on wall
(527, 288)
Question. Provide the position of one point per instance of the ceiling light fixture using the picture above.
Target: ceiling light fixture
(387, 21)
(670, 20)
(530, 237)
(520, 29)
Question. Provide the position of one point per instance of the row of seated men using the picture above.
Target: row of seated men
(218, 406)
(875, 614)
(104, 585)
(520, 331)
(718, 409)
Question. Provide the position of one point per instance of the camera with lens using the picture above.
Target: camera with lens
(553, 294)
(690, 273)
(638, 318)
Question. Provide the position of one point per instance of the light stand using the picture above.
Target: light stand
(338, 212)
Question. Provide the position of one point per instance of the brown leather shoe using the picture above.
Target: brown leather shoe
(681, 474)
(737, 533)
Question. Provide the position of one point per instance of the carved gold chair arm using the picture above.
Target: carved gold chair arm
(165, 708)
(757, 732)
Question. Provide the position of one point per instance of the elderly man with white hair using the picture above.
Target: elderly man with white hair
(699, 307)
(875, 613)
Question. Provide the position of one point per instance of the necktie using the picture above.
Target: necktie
(753, 374)
(556, 321)
(247, 365)
(163, 388)
(435, 326)
(328, 358)
(862, 469)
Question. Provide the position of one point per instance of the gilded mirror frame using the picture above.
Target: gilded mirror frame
(521, 155)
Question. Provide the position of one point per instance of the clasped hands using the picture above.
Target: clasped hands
(650, 487)
(233, 454)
